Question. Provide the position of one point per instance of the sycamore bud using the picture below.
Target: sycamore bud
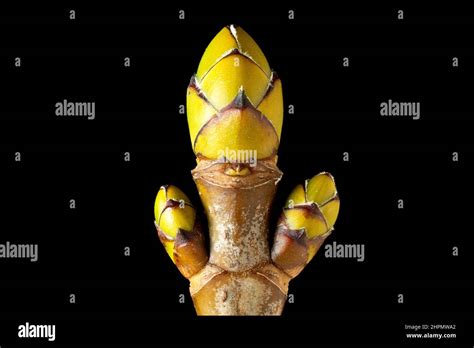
(308, 218)
(175, 221)
(234, 101)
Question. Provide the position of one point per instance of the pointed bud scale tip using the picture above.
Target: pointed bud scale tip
(232, 38)
(240, 101)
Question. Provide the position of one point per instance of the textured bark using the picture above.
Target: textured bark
(240, 278)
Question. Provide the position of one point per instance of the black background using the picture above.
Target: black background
(130, 300)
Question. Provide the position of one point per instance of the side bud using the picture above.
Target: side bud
(178, 230)
(307, 220)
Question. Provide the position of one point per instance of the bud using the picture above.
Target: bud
(308, 218)
(234, 101)
(175, 221)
